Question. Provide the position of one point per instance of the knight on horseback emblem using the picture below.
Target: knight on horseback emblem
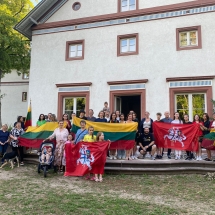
(175, 134)
(86, 157)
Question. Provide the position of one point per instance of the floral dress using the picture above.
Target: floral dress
(61, 137)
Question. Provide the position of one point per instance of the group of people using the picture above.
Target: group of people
(144, 140)
(11, 138)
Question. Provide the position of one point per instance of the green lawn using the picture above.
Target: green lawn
(24, 191)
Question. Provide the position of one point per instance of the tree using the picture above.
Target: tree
(213, 101)
(14, 47)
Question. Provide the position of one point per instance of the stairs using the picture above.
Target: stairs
(147, 166)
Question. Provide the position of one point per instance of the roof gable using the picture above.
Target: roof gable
(40, 14)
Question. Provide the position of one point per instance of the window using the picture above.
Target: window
(191, 104)
(127, 5)
(25, 76)
(24, 96)
(74, 105)
(75, 50)
(127, 45)
(188, 38)
(76, 6)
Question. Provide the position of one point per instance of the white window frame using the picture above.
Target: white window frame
(74, 103)
(128, 45)
(190, 102)
(76, 50)
(128, 5)
(188, 38)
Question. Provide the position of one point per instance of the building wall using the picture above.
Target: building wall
(12, 105)
(88, 8)
(100, 7)
(155, 3)
(157, 60)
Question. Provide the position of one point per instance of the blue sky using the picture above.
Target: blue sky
(35, 2)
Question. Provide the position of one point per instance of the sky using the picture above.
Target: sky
(35, 2)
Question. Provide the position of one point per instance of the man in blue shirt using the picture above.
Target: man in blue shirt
(167, 119)
(81, 132)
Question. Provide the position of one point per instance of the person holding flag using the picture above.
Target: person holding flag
(89, 138)
(177, 120)
(209, 139)
(99, 169)
(197, 120)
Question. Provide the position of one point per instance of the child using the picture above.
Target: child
(89, 138)
(159, 150)
(46, 154)
(106, 108)
(100, 138)
(64, 153)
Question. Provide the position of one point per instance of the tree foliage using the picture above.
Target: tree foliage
(14, 47)
(198, 104)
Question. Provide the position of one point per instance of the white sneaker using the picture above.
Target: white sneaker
(147, 155)
(132, 157)
(197, 158)
(176, 157)
(135, 158)
(111, 158)
(179, 157)
(152, 157)
(200, 158)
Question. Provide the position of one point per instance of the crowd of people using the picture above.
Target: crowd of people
(145, 144)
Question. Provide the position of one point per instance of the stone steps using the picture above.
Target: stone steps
(147, 166)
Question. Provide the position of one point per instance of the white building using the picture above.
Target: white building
(136, 54)
(15, 100)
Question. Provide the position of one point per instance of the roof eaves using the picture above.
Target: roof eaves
(24, 26)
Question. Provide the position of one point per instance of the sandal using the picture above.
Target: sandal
(96, 180)
(207, 159)
(92, 179)
(101, 179)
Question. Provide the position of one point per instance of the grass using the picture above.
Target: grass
(24, 191)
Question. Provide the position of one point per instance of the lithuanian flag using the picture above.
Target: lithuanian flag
(121, 135)
(28, 120)
(209, 140)
(34, 136)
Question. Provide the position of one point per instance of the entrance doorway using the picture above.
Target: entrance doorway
(126, 103)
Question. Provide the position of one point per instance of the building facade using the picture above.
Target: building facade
(14, 87)
(141, 55)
